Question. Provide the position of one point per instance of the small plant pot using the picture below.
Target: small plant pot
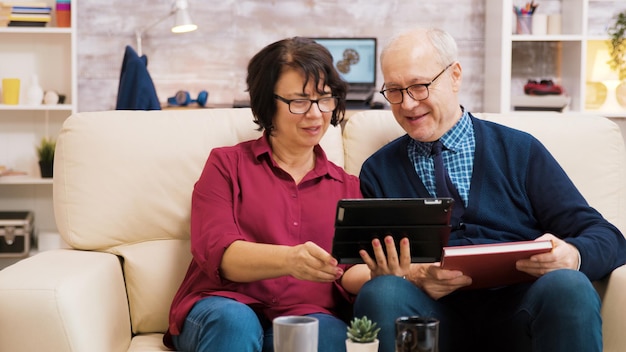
(46, 168)
(352, 346)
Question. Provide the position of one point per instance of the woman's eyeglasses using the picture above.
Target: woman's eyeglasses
(302, 106)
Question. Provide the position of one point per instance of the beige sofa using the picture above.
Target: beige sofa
(122, 186)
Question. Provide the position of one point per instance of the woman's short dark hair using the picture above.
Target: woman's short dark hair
(303, 54)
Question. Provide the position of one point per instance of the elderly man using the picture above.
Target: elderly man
(507, 187)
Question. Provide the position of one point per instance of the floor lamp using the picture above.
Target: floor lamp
(182, 24)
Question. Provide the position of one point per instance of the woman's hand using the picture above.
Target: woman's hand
(249, 261)
(310, 262)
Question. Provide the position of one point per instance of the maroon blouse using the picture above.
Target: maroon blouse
(243, 195)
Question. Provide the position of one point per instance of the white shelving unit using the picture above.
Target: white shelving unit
(50, 53)
(567, 58)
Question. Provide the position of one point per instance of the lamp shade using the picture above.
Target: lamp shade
(183, 22)
(602, 72)
(601, 69)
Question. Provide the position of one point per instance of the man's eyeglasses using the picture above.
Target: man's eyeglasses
(302, 106)
(416, 91)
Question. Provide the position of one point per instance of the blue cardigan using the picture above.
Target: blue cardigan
(518, 192)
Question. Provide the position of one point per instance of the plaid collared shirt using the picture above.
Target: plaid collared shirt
(458, 157)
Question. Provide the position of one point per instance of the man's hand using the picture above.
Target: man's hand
(563, 256)
(391, 264)
(438, 282)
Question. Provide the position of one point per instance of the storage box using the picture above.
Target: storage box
(16, 230)
(558, 103)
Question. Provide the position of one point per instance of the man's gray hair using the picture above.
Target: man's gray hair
(444, 44)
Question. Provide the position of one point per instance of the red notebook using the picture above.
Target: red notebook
(492, 265)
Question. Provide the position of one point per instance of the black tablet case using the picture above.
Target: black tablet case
(425, 221)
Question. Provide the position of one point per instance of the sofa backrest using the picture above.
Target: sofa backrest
(589, 148)
(123, 182)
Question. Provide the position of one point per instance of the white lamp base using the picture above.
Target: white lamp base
(611, 103)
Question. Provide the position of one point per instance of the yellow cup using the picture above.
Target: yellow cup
(11, 91)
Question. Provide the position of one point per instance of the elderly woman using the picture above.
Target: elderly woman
(263, 214)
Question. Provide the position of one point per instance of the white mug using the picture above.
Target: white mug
(295, 333)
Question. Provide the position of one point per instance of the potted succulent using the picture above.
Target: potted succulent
(45, 153)
(362, 335)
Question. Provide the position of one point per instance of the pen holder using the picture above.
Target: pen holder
(524, 24)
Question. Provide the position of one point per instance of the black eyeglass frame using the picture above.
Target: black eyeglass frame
(425, 85)
(311, 101)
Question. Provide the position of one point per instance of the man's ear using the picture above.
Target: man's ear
(456, 72)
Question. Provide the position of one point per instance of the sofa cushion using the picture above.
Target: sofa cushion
(364, 133)
(153, 272)
(137, 169)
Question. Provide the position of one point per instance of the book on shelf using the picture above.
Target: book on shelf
(27, 24)
(31, 9)
(30, 18)
(493, 265)
(35, 4)
(21, 14)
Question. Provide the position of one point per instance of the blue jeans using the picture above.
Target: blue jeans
(222, 324)
(558, 312)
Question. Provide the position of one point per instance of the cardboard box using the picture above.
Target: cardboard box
(16, 231)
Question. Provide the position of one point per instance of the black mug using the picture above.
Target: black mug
(417, 334)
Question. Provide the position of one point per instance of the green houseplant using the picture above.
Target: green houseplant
(617, 45)
(362, 335)
(45, 153)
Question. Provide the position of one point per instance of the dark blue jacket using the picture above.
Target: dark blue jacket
(518, 192)
(136, 90)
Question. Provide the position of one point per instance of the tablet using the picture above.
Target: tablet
(424, 221)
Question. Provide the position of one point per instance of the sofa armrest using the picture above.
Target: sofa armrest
(64, 300)
(612, 291)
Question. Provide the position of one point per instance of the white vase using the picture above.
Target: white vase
(352, 346)
(34, 95)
